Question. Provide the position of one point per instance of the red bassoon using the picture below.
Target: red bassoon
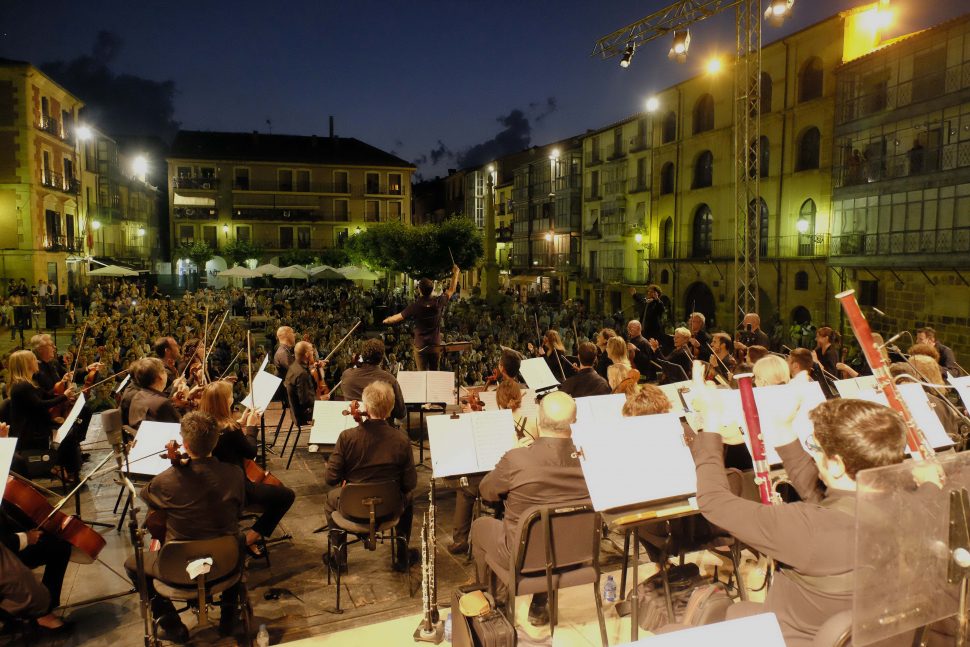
(762, 476)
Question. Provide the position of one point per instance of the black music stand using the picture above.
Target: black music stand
(444, 348)
(672, 372)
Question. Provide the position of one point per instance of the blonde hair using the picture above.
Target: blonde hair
(508, 395)
(215, 401)
(616, 351)
(770, 370)
(21, 367)
(928, 368)
(552, 341)
(645, 400)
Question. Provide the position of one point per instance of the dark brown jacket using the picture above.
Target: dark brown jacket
(149, 404)
(373, 451)
(355, 380)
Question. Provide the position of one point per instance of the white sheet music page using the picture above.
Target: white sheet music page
(963, 388)
(849, 387)
(917, 401)
(536, 374)
(529, 407)
(673, 393)
(262, 367)
(440, 387)
(452, 447)
(265, 386)
(487, 399)
(493, 433)
(414, 386)
(329, 421)
(150, 441)
(600, 408)
(7, 448)
(63, 430)
(635, 460)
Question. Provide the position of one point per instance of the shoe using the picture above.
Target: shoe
(66, 629)
(538, 615)
(173, 629)
(458, 548)
(256, 550)
(414, 557)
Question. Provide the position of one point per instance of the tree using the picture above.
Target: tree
(198, 252)
(421, 251)
(298, 257)
(334, 257)
(240, 251)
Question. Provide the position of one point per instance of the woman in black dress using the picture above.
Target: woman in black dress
(827, 350)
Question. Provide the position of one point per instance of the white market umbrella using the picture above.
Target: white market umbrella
(355, 273)
(325, 272)
(292, 272)
(268, 268)
(112, 270)
(239, 272)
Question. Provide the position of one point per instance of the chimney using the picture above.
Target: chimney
(331, 126)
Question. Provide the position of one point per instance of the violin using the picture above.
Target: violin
(257, 474)
(355, 412)
(22, 495)
(173, 454)
(628, 382)
(473, 402)
(316, 370)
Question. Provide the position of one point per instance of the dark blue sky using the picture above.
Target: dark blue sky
(400, 75)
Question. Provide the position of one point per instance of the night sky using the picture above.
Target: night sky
(426, 80)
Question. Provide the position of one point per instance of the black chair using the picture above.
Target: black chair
(369, 511)
(558, 547)
(227, 570)
(294, 422)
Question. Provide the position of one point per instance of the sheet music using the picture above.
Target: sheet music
(440, 386)
(69, 420)
(849, 387)
(536, 374)
(600, 408)
(762, 630)
(635, 460)
(470, 444)
(124, 383)
(963, 388)
(265, 386)
(917, 401)
(529, 407)
(329, 421)
(487, 398)
(150, 441)
(262, 367)
(7, 448)
(672, 391)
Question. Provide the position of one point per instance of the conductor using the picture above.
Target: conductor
(426, 313)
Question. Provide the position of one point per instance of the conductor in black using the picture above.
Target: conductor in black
(426, 312)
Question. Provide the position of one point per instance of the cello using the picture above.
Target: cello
(21, 494)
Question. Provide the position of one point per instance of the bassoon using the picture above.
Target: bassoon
(762, 476)
(915, 437)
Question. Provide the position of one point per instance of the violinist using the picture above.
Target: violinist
(680, 355)
(23, 548)
(555, 354)
(721, 361)
(509, 364)
(300, 387)
(644, 350)
(49, 370)
(149, 401)
(616, 350)
(603, 360)
(167, 350)
(201, 500)
(355, 380)
(371, 452)
(699, 336)
(801, 362)
(284, 354)
(237, 442)
(587, 381)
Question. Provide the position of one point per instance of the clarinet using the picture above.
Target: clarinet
(432, 549)
(915, 437)
(762, 476)
(425, 588)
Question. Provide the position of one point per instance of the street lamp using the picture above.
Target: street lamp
(225, 229)
(139, 166)
(638, 237)
(83, 133)
(141, 231)
(714, 65)
(652, 104)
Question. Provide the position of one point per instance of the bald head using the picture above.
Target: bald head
(752, 319)
(285, 335)
(304, 352)
(556, 413)
(633, 328)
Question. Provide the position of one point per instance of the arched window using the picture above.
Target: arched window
(758, 216)
(669, 128)
(806, 228)
(801, 280)
(667, 238)
(667, 178)
(810, 80)
(760, 149)
(765, 93)
(703, 227)
(704, 114)
(664, 277)
(808, 149)
(703, 170)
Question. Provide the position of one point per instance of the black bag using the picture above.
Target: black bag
(490, 630)
(37, 463)
(652, 609)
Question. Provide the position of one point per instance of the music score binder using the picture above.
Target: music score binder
(470, 443)
(329, 422)
(421, 387)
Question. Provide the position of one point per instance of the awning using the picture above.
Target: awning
(192, 201)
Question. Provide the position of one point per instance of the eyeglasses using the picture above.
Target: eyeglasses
(811, 445)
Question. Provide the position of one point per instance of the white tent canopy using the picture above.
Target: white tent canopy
(325, 272)
(292, 272)
(355, 273)
(112, 270)
(268, 268)
(240, 272)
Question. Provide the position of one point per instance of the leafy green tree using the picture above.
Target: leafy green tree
(240, 251)
(334, 257)
(297, 257)
(419, 251)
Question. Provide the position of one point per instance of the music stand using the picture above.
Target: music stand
(672, 372)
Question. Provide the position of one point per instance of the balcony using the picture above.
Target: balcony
(912, 163)
(282, 215)
(613, 229)
(616, 154)
(772, 247)
(592, 159)
(194, 213)
(51, 126)
(62, 244)
(196, 183)
(503, 235)
(944, 246)
(878, 98)
(568, 261)
(54, 180)
(637, 185)
(342, 188)
(382, 189)
(593, 193)
(638, 143)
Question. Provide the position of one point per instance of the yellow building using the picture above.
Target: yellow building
(282, 192)
(39, 181)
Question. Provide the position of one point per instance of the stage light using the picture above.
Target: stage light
(681, 44)
(714, 65)
(628, 55)
(778, 11)
(802, 226)
(652, 104)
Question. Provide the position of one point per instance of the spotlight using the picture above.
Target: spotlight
(628, 55)
(681, 44)
(652, 104)
(714, 65)
(778, 11)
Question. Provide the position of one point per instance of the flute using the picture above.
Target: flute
(915, 437)
(762, 476)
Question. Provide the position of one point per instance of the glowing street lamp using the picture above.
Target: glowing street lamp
(652, 104)
(638, 237)
(548, 237)
(96, 225)
(714, 65)
(141, 231)
(139, 166)
(83, 133)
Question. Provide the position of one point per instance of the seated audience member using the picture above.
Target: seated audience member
(546, 473)
(371, 452)
(586, 381)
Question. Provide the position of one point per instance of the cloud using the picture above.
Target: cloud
(541, 110)
(438, 153)
(118, 104)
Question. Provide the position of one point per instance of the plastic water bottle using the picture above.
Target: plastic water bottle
(448, 629)
(609, 589)
(262, 638)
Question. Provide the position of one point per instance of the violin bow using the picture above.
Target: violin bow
(77, 353)
(249, 355)
(340, 343)
(121, 372)
(232, 362)
(214, 339)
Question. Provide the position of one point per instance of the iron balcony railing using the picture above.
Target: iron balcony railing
(853, 104)
(856, 168)
(772, 247)
(934, 241)
(50, 125)
(196, 183)
(62, 244)
(241, 184)
(54, 180)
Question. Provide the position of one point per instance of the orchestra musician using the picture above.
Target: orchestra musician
(700, 338)
(771, 370)
(603, 360)
(201, 500)
(721, 361)
(619, 369)
(426, 312)
(555, 355)
(370, 452)
(644, 351)
(167, 350)
(800, 362)
(285, 352)
(509, 364)
(586, 381)
(947, 358)
(355, 379)
(299, 384)
(148, 401)
(237, 442)
(545, 473)
(827, 349)
(813, 539)
(750, 334)
(680, 355)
